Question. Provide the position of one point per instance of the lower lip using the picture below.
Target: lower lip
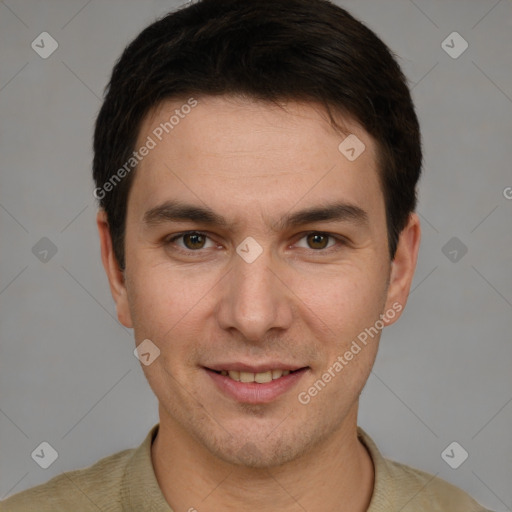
(252, 392)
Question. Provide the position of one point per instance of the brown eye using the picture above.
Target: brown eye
(194, 240)
(189, 242)
(317, 240)
(321, 242)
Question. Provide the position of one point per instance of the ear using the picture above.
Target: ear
(115, 275)
(402, 268)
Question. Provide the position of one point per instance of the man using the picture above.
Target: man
(256, 164)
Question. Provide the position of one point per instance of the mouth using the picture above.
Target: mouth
(259, 377)
(255, 387)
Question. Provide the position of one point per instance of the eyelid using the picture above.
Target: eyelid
(171, 239)
(338, 238)
(341, 241)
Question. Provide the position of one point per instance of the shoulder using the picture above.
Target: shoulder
(418, 490)
(401, 487)
(93, 488)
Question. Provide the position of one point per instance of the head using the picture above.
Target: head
(227, 119)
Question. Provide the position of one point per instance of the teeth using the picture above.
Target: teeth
(247, 377)
(260, 378)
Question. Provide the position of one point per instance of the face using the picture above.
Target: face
(255, 246)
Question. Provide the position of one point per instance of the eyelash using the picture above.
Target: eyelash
(340, 241)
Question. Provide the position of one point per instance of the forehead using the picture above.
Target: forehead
(228, 152)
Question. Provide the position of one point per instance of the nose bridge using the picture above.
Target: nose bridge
(254, 301)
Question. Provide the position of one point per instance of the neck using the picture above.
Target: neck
(336, 475)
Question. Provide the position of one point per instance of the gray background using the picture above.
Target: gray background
(68, 375)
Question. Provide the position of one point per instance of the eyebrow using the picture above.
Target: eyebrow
(176, 211)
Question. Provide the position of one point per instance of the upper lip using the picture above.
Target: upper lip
(253, 368)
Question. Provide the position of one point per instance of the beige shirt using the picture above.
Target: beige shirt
(126, 482)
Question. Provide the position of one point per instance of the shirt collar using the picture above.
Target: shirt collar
(140, 489)
(383, 488)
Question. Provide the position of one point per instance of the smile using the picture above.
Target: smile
(261, 377)
(259, 387)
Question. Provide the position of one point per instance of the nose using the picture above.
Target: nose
(256, 298)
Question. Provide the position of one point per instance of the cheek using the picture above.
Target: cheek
(169, 306)
(157, 301)
(346, 300)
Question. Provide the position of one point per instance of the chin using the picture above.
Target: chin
(260, 449)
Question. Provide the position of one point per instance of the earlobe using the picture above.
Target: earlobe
(403, 267)
(115, 275)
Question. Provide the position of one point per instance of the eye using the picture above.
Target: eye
(317, 240)
(192, 240)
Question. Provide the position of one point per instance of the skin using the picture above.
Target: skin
(298, 302)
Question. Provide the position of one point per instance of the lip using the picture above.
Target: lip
(253, 392)
(251, 368)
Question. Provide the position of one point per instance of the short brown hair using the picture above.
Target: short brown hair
(271, 50)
